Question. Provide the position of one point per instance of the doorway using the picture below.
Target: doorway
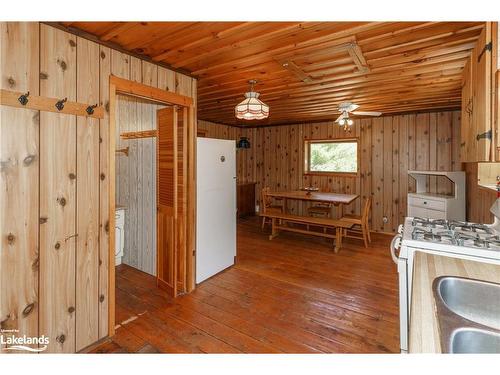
(174, 191)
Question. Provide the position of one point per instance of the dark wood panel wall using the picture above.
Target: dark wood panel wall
(389, 147)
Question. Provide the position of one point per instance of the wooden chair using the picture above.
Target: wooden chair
(267, 207)
(360, 229)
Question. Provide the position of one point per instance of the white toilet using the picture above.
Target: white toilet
(119, 234)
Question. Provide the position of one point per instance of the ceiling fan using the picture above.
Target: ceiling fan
(347, 108)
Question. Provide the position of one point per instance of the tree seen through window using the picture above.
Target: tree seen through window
(334, 157)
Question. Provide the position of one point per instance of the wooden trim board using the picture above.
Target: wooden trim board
(139, 134)
(126, 87)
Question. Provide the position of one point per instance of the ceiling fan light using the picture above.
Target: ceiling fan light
(342, 122)
(350, 122)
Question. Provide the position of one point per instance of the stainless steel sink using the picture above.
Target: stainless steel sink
(471, 340)
(468, 311)
(474, 300)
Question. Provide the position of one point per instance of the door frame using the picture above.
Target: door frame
(130, 88)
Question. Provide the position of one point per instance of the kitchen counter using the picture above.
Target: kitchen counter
(488, 186)
(424, 326)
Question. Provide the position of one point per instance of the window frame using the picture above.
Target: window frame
(307, 157)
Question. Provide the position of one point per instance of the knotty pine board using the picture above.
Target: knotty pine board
(104, 72)
(58, 193)
(395, 196)
(479, 199)
(120, 67)
(87, 171)
(387, 151)
(389, 147)
(404, 151)
(19, 180)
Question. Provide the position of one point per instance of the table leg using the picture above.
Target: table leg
(338, 239)
(274, 231)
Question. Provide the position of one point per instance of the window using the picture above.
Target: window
(332, 156)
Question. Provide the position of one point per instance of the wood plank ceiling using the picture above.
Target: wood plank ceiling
(305, 69)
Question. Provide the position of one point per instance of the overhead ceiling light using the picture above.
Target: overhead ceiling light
(344, 120)
(252, 108)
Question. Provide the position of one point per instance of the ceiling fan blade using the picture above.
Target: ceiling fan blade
(352, 107)
(363, 113)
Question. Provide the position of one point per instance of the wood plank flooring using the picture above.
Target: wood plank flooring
(288, 295)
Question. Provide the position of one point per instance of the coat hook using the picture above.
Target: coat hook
(60, 104)
(90, 109)
(23, 99)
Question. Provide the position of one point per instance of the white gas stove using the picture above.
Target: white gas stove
(448, 236)
(472, 241)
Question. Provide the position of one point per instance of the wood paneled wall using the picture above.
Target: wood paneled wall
(479, 199)
(389, 147)
(54, 189)
(19, 182)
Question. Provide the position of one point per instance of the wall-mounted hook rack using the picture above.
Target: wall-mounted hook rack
(41, 103)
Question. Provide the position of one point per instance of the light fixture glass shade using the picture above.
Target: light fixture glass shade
(252, 108)
(243, 143)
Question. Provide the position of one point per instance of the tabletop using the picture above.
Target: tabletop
(334, 198)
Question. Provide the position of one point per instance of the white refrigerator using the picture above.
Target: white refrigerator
(215, 206)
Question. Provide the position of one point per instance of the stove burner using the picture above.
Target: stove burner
(446, 236)
(471, 227)
(451, 225)
(432, 223)
(471, 238)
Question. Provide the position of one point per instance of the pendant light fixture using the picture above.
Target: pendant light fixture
(243, 143)
(252, 108)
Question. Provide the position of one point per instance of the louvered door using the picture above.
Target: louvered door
(167, 198)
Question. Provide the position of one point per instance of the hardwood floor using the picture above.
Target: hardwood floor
(288, 295)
